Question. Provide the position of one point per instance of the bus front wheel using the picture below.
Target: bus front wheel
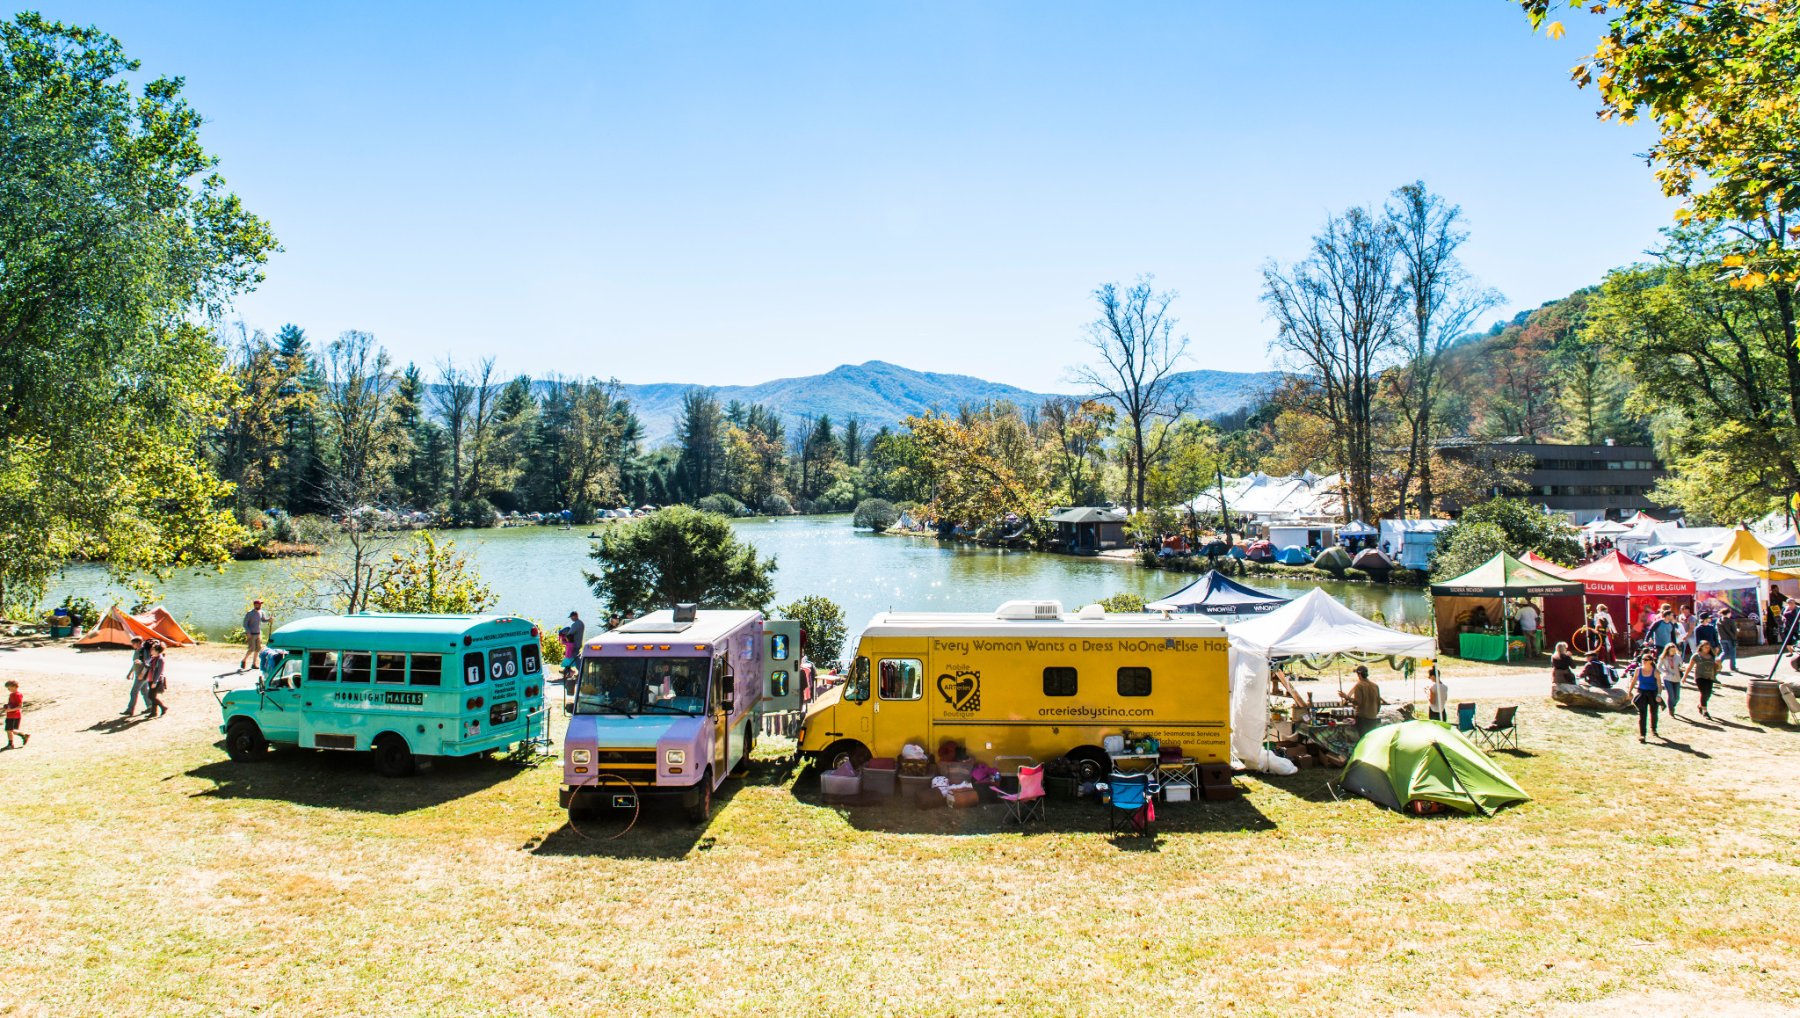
(699, 801)
(392, 757)
(244, 741)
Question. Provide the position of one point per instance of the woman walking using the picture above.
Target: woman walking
(1705, 670)
(1645, 693)
(1668, 669)
(155, 682)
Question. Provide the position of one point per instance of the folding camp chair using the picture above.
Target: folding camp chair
(1028, 802)
(1130, 808)
(1465, 721)
(1504, 732)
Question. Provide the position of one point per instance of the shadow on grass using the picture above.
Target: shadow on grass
(113, 726)
(348, 781)
(899, 815)
(659, 829)
(1682, 747)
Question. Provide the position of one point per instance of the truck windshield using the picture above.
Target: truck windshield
(638, 685)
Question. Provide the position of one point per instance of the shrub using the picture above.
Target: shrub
(1123, 603)
(1355, 574)
(1466, 546)
(876, 514)
(722, 504)
(82, 610)
(777, 505)
(474, 512)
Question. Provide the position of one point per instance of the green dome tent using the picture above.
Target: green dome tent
(1427, 761)
(1333, 560)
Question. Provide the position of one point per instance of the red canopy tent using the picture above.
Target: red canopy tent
(1562, 615)
(1627, 588)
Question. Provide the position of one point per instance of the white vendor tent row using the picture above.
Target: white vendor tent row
(1262, 497)
(1707, 575)
(1698, 540)
(1312, 625)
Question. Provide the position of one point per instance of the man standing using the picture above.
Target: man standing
(1528, 627)
(254, 620)
(1366, 696)
(1727, 625)
(577, 631)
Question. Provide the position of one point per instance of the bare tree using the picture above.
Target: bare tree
(1336, 314)
(357, 404)
(1442, 302)
(1135, 338)
(465, 400)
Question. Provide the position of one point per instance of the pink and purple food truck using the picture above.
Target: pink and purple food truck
(665, 706)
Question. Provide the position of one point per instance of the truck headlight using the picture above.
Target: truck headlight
(674, 757)
(581, 756)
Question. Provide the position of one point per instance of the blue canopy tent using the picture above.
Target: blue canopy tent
(1216, 594)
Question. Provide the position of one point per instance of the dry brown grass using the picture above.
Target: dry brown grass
(152, 876)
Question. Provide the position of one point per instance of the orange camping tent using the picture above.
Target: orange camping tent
(116, 629)
(159, 621)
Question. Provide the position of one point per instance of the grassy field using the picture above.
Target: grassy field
(149, 875)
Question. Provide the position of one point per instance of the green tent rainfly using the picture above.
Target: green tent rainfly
(1428, 761)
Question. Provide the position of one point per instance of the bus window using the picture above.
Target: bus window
(321, 666)
(1134, 682)
(529, 659)
(902, 680)
(856, 687)
(356, 666)
(503, 662)
(427, 669)
(778, 684)
(778, 646)
(390, 668)
(474, 669)
(1059, 682)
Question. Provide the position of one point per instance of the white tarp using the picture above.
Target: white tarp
(1699, 540)
(1706, 575)
(1315, 623)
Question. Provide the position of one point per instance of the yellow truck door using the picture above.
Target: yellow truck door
(897, 706)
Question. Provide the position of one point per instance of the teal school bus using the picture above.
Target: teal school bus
(399, 687)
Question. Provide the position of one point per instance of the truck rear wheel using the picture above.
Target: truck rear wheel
(244, 741)
(392, 756)
(699, 801)
(1091, 763)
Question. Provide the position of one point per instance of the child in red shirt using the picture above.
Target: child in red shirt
(15, 712)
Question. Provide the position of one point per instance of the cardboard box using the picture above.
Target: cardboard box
(1220, 793)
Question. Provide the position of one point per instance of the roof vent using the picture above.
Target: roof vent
(684, 613)
(1091, 613)
(1014, 611)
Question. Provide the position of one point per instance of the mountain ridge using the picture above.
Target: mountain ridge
(882, 393)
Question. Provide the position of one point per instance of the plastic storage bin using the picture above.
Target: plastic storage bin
(912, 784)
(840, 786)
(879, 780)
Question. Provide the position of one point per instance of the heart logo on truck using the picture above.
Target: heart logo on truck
(961, 691)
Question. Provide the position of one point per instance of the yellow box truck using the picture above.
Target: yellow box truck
(1027, 680)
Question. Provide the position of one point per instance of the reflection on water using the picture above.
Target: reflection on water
(537, 571)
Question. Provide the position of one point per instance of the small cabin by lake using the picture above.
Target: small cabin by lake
(1088, 529)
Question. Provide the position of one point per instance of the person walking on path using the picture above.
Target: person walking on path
(1662, 632)
(1528, 627)
(254, 621)
(15, 714)
(155, 681)
(1645, 694)
(1366, 696)
(1668, 670)
(1706, 631)
(140, 656)
(1437, 696)
(1705, 671)
(1728, 642)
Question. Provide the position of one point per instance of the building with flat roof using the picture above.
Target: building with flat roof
(1587, 482)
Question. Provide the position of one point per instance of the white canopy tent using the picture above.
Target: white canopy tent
(1315, 623)
(1707, 575)
(1698, 540)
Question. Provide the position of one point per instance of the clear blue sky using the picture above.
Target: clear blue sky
(732, 192)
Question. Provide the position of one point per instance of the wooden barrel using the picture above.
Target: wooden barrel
(1766, 706)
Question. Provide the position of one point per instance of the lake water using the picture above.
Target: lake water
(537, 572)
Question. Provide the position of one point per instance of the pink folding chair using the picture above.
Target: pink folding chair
(1028, 802)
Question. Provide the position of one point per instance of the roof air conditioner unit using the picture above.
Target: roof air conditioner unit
(1025, 610)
